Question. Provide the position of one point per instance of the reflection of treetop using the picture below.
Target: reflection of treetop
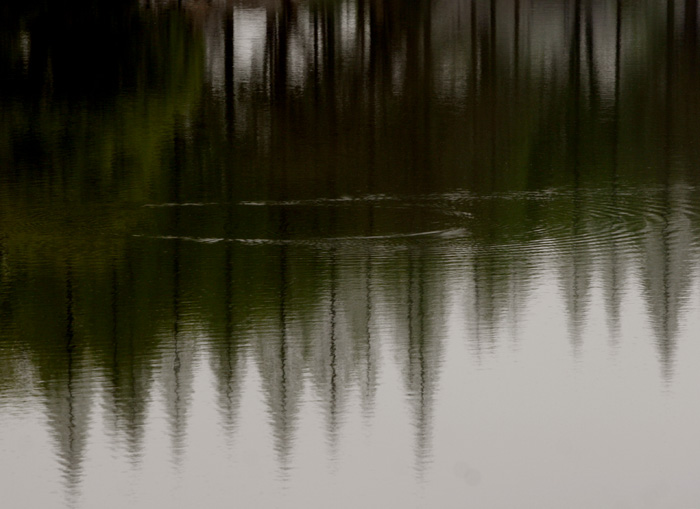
(284, 186)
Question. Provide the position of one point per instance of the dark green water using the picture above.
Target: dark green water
(373, 253)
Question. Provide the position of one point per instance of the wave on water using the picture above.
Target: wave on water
(434, 234)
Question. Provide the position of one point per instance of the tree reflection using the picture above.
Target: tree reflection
(349, 162)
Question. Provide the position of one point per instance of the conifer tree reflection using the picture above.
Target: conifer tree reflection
(333, 382)
(228, 345)
(368, 361)
(575, 277)
(419, 347)
(667, 243)
(614, 266)
(72, 440)
(129, 378)
(228, 356)
(361, 125)
(177, 375)
(281, 362)
(485, 314)
(667, 272)
(67, 395)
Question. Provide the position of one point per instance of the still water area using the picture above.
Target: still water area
(350, 253)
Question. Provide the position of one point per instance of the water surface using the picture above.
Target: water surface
(356, 253)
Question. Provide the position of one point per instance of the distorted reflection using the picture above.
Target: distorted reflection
(294, 200)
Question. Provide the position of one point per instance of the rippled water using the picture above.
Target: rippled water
(355, 253)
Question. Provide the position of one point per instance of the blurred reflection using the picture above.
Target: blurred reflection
(68, 404)
(276, 187)
(420, 348)
(128, 375)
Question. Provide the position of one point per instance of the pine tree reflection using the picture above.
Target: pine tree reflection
(128, 392)
(72, 441)
(228, 358)
(177, 375)
(285, 376)
(667, 242)
(424, 350)
(360, 121)
(368, 362)
(333, 403)
(614, 273)
(67, 396)
(575, 279)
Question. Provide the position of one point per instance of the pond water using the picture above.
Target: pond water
(350, 253)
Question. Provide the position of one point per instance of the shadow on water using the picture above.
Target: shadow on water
(278, 186)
